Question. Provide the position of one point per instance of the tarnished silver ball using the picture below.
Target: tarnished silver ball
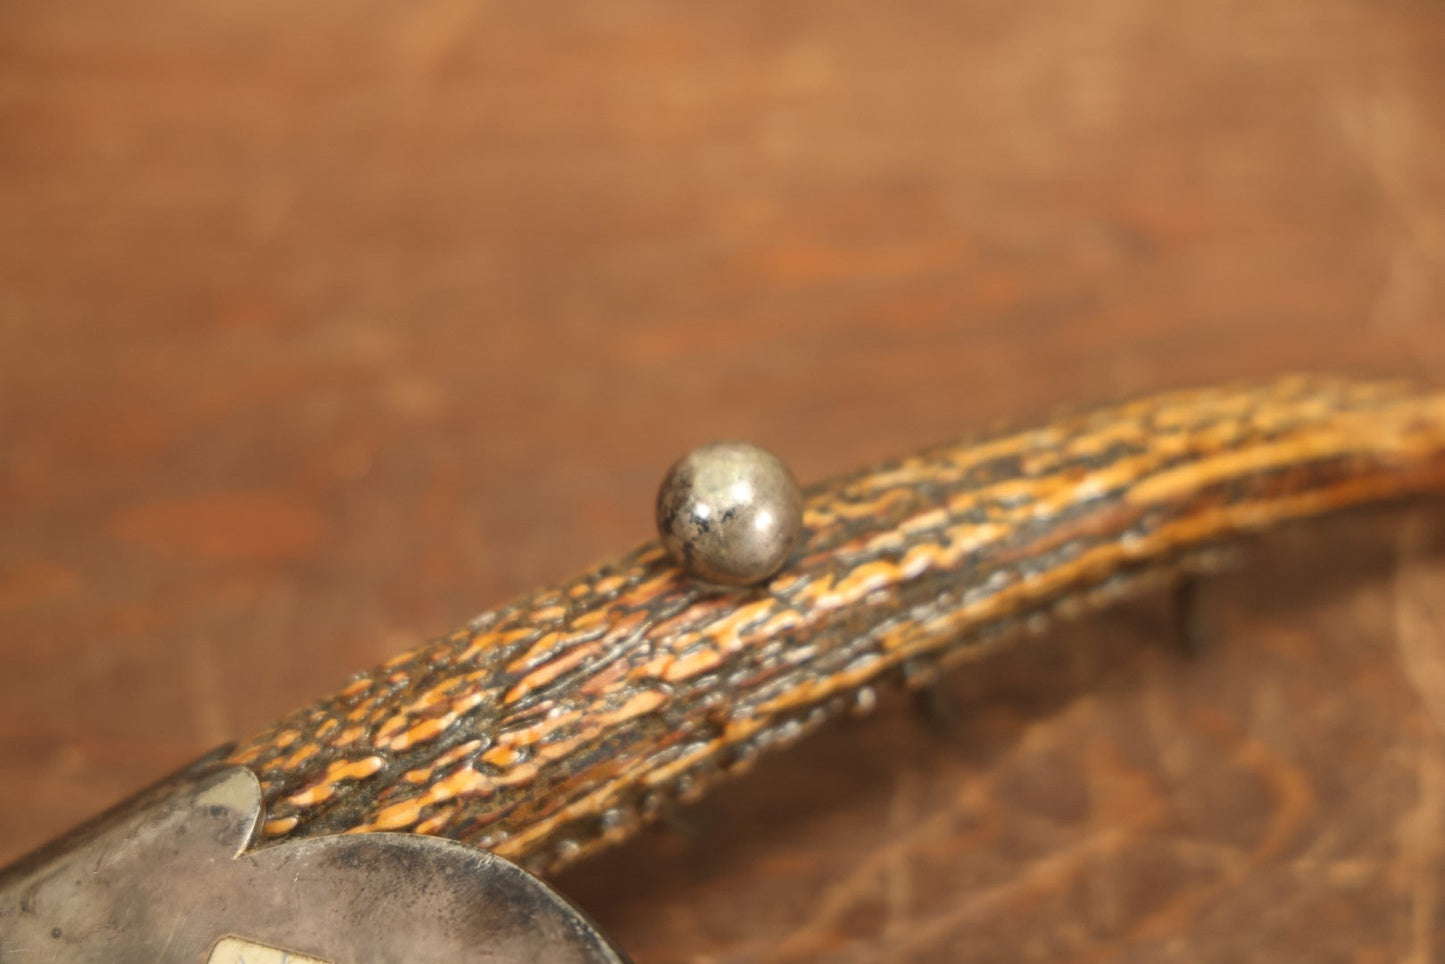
(729, 513)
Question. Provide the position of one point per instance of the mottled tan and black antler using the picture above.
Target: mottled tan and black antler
(556, 725)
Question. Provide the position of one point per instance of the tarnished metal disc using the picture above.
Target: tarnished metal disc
(168, 878)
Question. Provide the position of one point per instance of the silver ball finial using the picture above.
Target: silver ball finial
(729, 512)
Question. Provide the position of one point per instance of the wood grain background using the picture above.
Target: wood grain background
(324, 326)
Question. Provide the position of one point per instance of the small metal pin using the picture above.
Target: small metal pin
(729, 513)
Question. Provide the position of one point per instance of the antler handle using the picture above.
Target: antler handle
(555, 726)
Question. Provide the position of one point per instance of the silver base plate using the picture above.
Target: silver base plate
(168, 877)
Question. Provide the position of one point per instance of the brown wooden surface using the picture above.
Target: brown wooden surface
(322, 328)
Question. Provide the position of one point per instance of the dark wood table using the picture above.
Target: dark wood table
(323, 327)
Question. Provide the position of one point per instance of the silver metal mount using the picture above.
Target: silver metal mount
(169, 876)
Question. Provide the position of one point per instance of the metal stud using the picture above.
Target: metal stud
(729, 513)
